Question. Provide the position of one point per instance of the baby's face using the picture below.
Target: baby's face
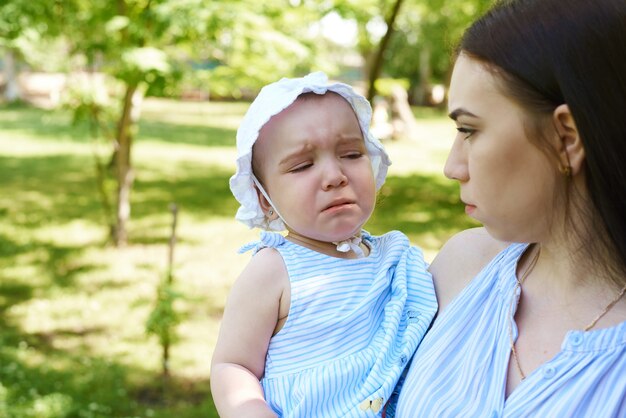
(312, 161)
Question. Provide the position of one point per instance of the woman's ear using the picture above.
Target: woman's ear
(570, 149)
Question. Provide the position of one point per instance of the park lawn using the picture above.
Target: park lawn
(73, 308)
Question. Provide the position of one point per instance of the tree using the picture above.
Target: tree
(138, 41)
(417, 39)
(377, 63)
(245, 37)
(125, 42)
(425, 35)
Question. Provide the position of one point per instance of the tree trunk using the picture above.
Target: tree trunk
(125, 175)
(12, 92)
(422, 89)
(377, 64)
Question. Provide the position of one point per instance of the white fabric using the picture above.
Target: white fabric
(351, 244)
(273, 99)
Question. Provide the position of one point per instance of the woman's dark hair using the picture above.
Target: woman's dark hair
(550, 52)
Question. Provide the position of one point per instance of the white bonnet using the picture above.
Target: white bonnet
(273, 99)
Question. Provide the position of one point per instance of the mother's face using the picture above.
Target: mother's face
(506, 182)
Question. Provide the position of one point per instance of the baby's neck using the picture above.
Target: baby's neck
(324, 247)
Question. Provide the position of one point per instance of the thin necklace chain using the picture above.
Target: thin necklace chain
(518, 285)
(606, 309)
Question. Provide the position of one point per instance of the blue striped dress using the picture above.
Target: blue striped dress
(461, 366)
(353, 325)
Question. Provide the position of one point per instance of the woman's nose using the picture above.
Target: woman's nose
(456, 163)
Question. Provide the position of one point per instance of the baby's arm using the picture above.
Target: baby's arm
(250, 317)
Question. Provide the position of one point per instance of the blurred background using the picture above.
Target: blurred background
(118, 243)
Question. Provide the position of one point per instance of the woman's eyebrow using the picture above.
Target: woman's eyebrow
(461, 112)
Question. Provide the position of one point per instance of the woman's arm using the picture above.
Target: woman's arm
(250, 317)
(460, 260)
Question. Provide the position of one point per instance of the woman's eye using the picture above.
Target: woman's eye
(467, 132)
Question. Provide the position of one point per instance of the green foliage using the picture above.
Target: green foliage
(363, 13)
(91, 103)
(145, 63)
(384, 86)
(432, 27)
(257, 42)
(252, 42)
(16, 16)
(141, 40)
(45, 391)
(164, 318)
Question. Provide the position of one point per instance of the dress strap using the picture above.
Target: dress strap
(366, 236)
(267, 239)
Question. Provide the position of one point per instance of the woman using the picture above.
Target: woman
(538, 327)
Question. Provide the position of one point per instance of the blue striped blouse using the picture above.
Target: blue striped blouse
(353, 325)
(460, 368)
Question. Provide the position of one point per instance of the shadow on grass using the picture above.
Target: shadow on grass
(49, 189)
(61, 265)
(186, 134)
(62, 188)
(12, 293)
(64, 384)
(204, 193)
(12, 248)
(41, 123)
(38, 378)
(42, 377)
(57, 125)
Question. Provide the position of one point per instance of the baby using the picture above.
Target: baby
(324, 319)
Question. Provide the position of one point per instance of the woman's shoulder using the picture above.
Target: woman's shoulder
(460, 259)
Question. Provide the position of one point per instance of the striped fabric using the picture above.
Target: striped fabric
(352, 327)
(460, 368)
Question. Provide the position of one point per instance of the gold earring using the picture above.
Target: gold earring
(566, 170)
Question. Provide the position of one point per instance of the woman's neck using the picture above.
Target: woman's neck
(566, 283)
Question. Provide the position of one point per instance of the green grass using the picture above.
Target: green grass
(73, 309)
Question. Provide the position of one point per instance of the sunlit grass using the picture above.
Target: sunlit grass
(73, 309)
